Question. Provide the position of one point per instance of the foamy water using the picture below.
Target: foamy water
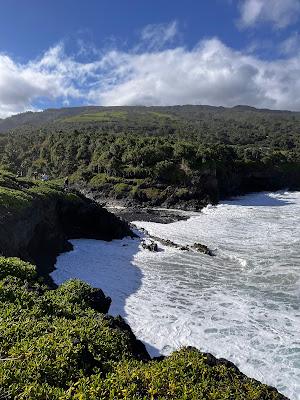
(242, 305)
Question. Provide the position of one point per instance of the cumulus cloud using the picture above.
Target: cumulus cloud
(20, 84)
(211, 73)
(280, 13)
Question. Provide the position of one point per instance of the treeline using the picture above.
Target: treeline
(140, 154)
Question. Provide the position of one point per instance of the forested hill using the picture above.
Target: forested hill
(202, 117)
(183, 156)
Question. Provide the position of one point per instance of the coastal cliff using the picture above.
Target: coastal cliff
(206, 186)
(59, 343)
(37, 219)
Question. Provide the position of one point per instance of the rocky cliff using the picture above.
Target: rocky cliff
(58, 343)
(38, 219)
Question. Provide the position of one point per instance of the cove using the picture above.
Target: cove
(242, 305)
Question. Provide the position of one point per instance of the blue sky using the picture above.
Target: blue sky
(133, 52)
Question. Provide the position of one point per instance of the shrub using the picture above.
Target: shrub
(121, 188)
(182, 193)
(76, 292)
(54, 344)
(186, 374)
(16, 267)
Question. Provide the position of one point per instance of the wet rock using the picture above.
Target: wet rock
(152, 246)
(169, 243)
(201, 248)
(184, 248)
(166, 242)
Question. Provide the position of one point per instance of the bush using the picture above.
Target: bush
(98, 180)
(49, 339)
(186, 374)
(76, 292)
(182, 193)
(16, 267)
(54, 344)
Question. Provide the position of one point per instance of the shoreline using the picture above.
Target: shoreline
(277, 202)
(151, 214)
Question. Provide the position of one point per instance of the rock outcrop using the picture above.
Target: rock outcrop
(202, 248)
(40, 231)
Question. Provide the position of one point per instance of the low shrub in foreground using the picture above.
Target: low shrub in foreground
(54, 344)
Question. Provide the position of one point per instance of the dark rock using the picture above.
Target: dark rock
(89, 220)
(136, 213)
(40, 233)
(184, 248)
(169, 243)
(166, 242)
(152, 246)
(99, 302)
(201, 248)
(138, 348)
(212, 361)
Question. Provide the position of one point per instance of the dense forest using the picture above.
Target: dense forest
(174, 156)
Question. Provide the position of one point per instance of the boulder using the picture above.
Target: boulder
(152, 246)
(202, 248)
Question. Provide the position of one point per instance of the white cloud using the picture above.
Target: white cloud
(156, 36)
(211, 73)
(291, 45)
(48, 77)
(280, 13)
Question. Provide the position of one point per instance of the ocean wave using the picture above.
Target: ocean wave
(242, 305)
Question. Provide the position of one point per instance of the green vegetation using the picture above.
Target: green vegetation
(55, 345)
(160, 155)
(17, 194)
(103, 116)
(162, 115)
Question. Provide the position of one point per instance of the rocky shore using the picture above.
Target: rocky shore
(161, 216)
(63, 345)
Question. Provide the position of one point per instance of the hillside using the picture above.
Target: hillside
(201, 116)
(182, 156)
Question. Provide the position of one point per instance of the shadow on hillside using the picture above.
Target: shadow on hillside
(259, 200)
(106, 265)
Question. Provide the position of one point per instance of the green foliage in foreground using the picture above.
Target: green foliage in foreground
(54, 345)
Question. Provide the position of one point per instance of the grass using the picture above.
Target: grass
(17, 194)
(102, 116)
(11, 199)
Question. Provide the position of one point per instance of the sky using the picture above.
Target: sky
(61, 53)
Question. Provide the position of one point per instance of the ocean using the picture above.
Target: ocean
(243, 304)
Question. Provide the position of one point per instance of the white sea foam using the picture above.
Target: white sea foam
(242, 304)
